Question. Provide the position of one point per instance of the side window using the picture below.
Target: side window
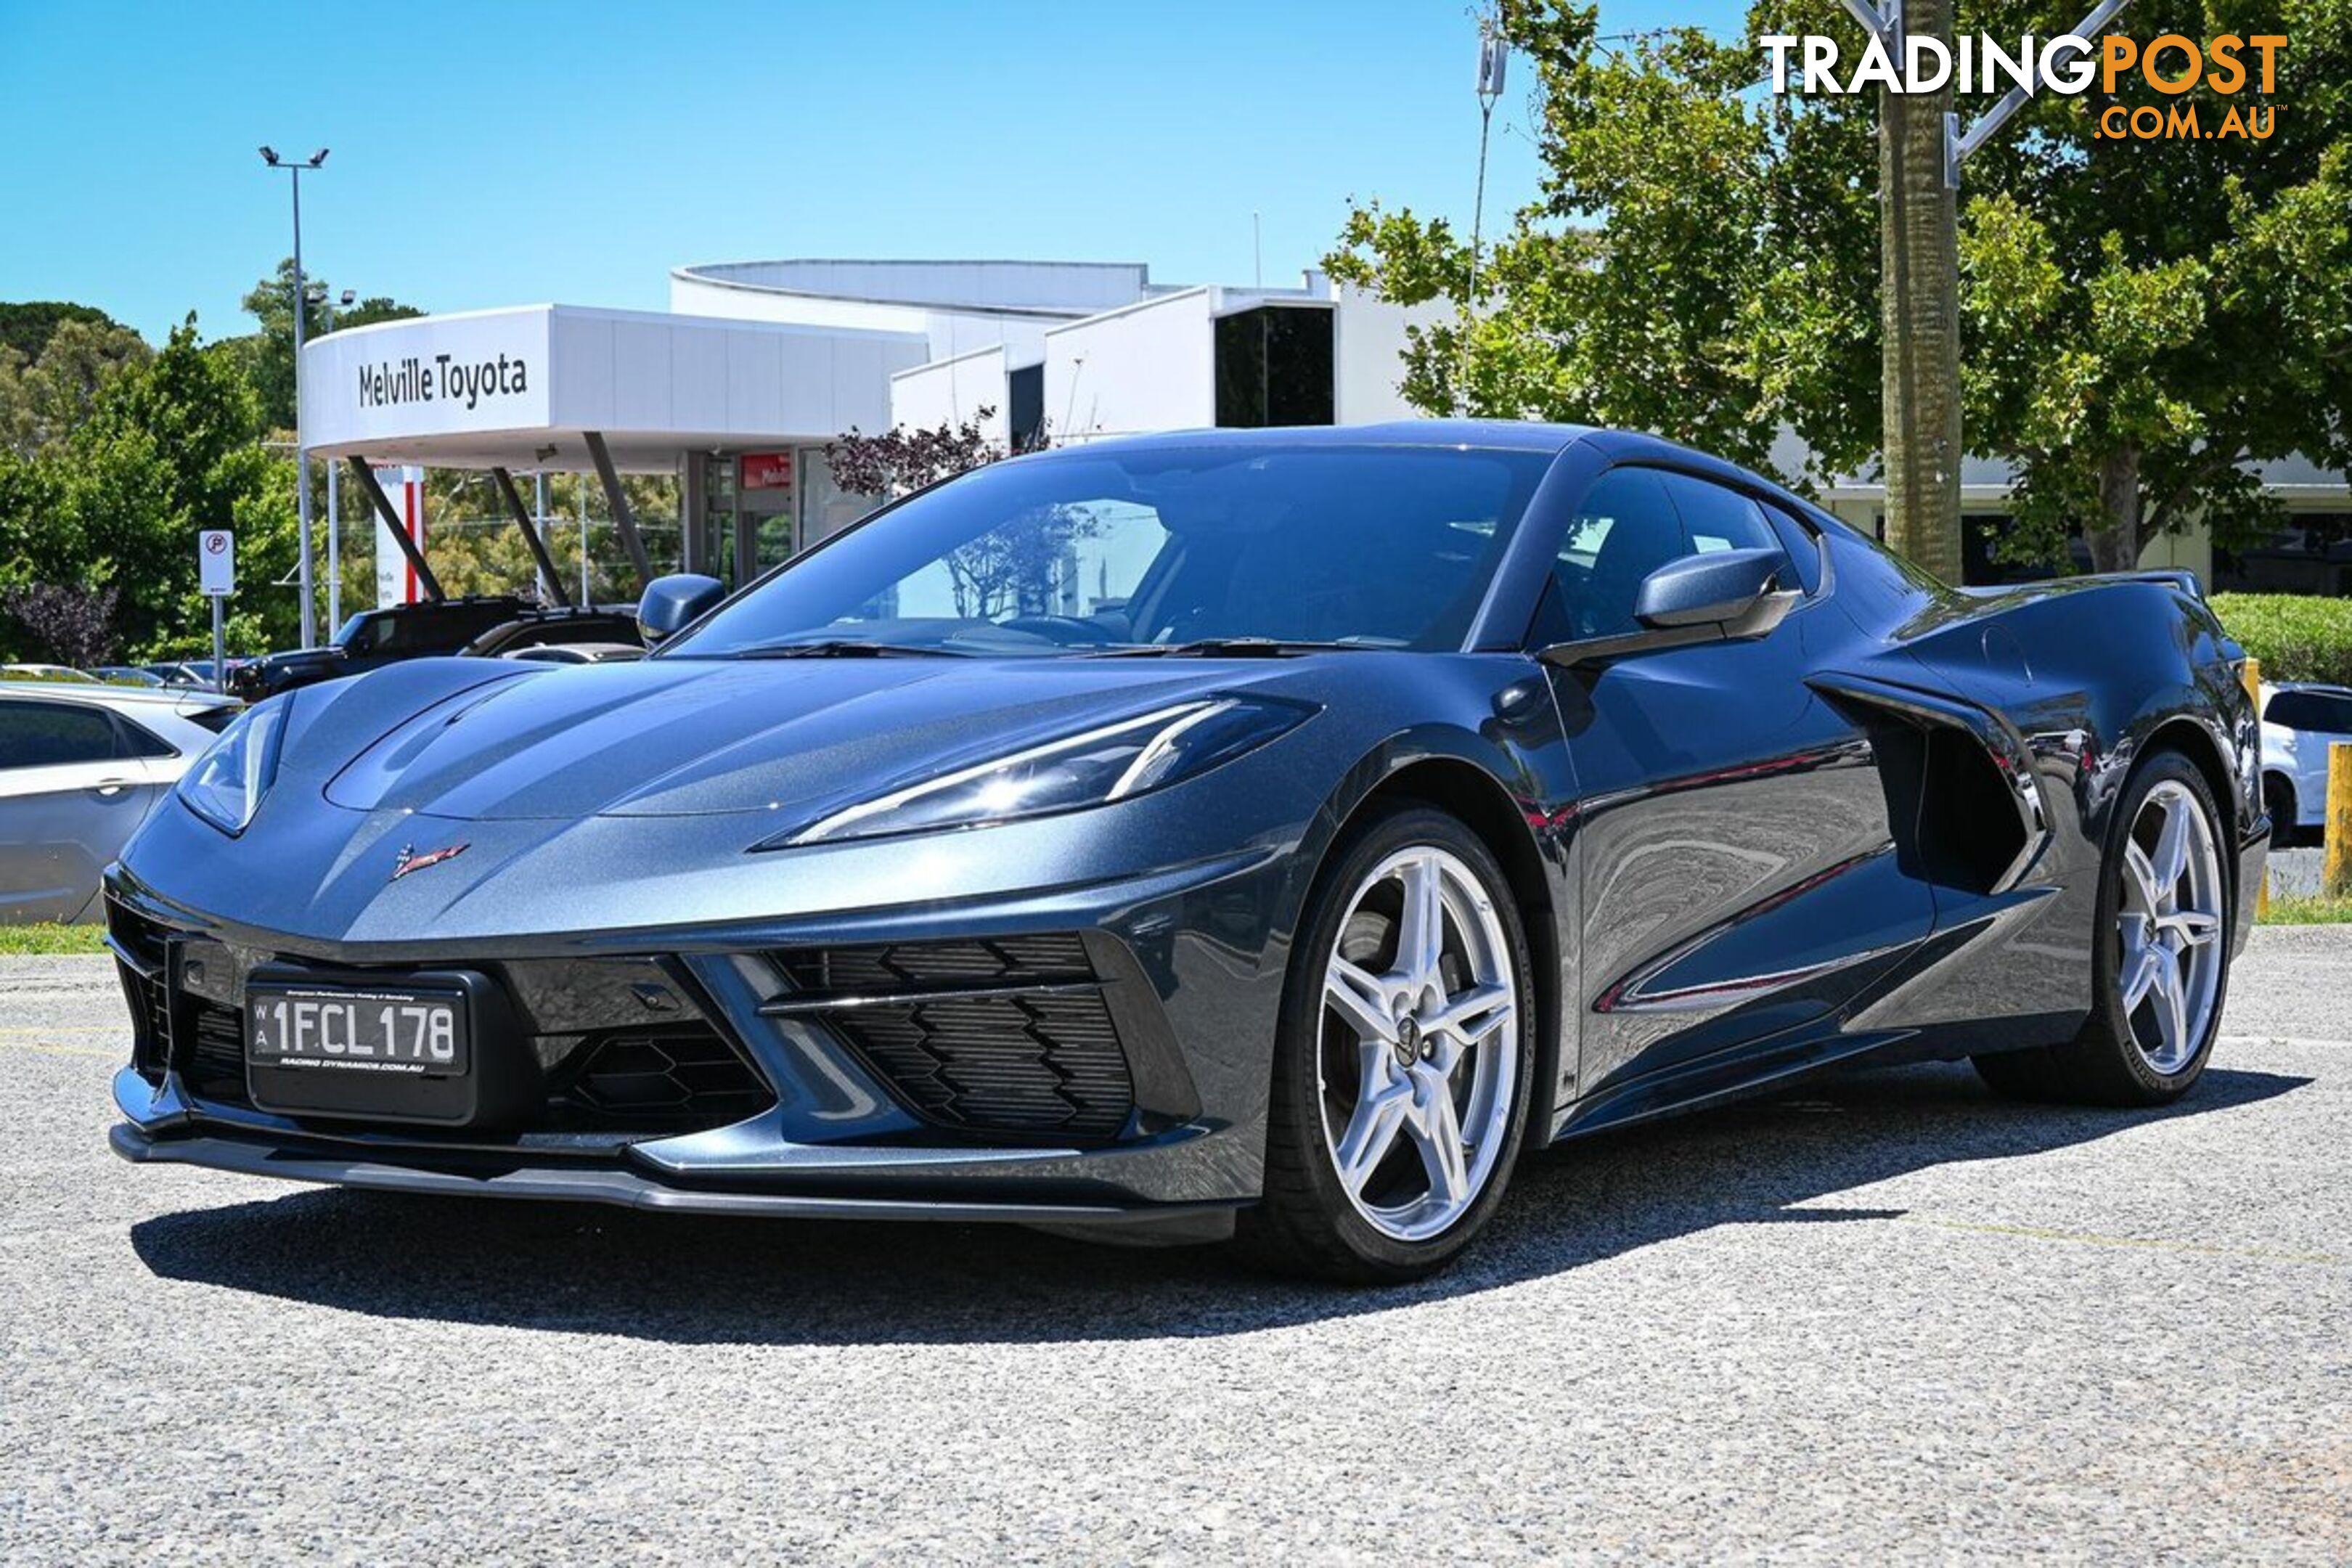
(54, 734)
(138, 740)
(1718, 519)
(1804, 547)
(2316, 711)
(1625, 529)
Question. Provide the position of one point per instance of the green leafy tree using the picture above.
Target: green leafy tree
(167, 446)
(271, 349)
(2140, 319)
(1669, 276)
(2144, 319)
(25, 326)
(44, 400)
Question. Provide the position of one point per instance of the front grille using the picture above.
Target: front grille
(151, 1022)
(674, 1077)
(141, 938)
(910, 965)
(678, 1075)
(143, 965)
(1003, 1037)
(214, 1064)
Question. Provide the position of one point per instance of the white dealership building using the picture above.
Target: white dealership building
(757, 365)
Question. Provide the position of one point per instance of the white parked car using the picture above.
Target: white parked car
(81, 764)
(2300, 720)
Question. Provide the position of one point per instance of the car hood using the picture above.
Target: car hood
(679, 737)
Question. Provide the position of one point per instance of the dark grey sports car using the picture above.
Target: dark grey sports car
(1271, 831)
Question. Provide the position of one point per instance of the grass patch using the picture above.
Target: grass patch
(47, 938)
(2306, 909)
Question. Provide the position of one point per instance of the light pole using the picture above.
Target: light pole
(301, 449)
(1493, 60)
(334, 502)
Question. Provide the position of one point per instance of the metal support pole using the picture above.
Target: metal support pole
(546, 573)
(539, 502)
(397, 524)
(622, 519)
(334, 551)
(580, 495)
(301, 449)
(220, 647)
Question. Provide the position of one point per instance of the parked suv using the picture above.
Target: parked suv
(487, 625)
(2300, 720)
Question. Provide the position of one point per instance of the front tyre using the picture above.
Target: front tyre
(1404, 1061)
(2161, 965)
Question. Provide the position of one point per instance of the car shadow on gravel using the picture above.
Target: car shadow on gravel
(699, 1280)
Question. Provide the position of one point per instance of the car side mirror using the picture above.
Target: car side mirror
(1715, 596)
(1711, 589)
(674, 601)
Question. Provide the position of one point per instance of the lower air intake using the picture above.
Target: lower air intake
(679, 1078)
(1005, 1038)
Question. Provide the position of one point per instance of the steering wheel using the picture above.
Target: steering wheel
(1091, 634)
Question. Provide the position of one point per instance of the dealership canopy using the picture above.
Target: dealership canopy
(539, 387)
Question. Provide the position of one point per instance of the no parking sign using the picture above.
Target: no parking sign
(216, 561)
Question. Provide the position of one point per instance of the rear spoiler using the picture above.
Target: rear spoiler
(2180, 577)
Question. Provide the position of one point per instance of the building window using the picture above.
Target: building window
(1980, 569)
(2312, 555)
(1274, 367)
(1026, 415)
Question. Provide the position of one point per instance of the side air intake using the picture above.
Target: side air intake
(1960, 793)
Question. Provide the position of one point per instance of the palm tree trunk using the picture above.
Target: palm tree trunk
(1920, 314)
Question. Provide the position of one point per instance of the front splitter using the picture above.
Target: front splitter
(626, 1189)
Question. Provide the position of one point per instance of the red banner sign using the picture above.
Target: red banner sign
(765, 470)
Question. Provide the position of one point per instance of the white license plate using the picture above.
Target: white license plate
(398, 1033)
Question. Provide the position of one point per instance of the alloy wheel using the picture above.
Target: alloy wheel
(1418, 1054)
(2169, 922)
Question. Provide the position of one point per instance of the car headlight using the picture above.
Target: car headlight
(1102, 765)
(226, 785)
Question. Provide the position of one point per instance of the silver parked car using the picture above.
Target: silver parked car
(81, 764)
(2301, 720)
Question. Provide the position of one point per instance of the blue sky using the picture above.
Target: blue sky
(499, 153)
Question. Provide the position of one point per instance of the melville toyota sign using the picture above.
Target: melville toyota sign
(435, 375)
(387, 384)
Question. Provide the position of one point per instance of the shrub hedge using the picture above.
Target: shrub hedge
(2297, 637)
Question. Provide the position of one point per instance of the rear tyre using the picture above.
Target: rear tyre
(2160, 969)
(1403, 1058)
(2278, 800)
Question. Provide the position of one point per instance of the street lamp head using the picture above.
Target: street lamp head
(269, 156)
(318, 157)
(348, 296)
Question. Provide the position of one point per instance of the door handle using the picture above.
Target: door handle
(107, 789)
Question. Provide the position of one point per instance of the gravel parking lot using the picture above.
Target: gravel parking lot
(1889, 1317)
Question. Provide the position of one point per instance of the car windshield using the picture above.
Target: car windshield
(1160, 547)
